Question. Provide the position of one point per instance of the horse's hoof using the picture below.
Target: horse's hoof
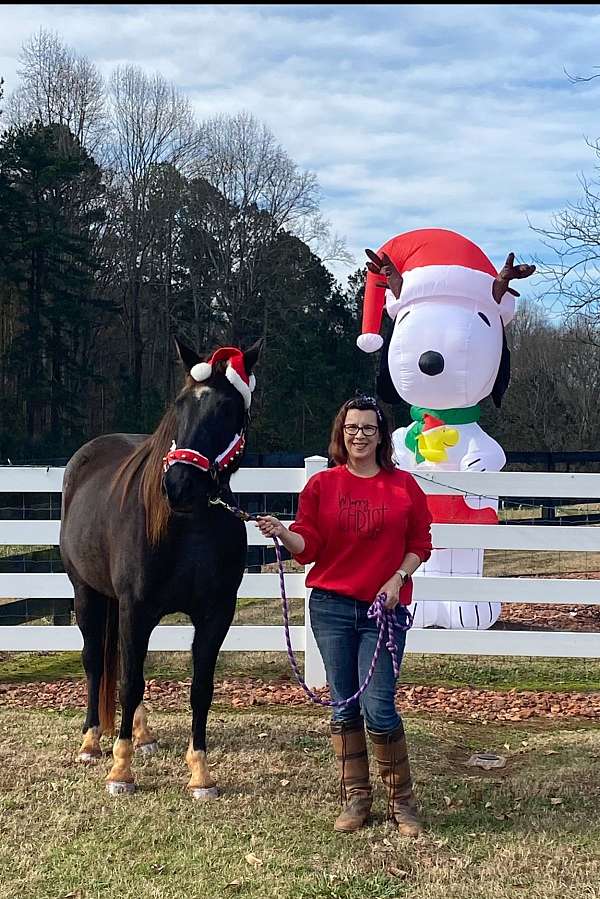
(88, 758)
(203, 793)
(147, 748)
(119, 788)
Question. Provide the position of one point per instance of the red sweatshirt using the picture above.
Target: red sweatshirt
(357, 531)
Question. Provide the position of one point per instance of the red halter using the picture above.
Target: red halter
(191, 457)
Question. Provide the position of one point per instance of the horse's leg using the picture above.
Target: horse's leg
(135, 627)
(90, 614)
(208, 637)
(143, 739)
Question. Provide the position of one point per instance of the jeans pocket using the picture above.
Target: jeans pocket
(319, 596)
(404, 619)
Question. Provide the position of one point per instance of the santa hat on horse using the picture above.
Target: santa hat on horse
(235, 371)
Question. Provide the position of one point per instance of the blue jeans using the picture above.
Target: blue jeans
(346, 639)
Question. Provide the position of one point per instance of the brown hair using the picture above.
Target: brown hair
(148, 458)
(337, 448)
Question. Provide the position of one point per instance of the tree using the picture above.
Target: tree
(551, 403)
(210, 233)
(573, 276)
(59, 87)
(260, 193)
(50, 190)
(151, 127)
(313, 361)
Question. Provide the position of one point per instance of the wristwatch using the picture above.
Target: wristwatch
(404, 575)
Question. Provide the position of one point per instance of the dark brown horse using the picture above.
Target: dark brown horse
(140, 540)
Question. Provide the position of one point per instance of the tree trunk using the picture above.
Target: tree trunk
(137, 350)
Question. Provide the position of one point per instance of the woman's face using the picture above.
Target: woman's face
(361, 447)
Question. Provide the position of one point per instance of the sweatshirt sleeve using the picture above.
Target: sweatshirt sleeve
(418, 532)
(307, 522)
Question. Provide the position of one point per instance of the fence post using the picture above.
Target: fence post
(314, 672)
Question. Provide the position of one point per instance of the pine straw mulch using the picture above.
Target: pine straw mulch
(550, 617)
(456, 703)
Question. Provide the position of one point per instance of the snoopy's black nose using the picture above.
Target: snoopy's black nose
(431, 363)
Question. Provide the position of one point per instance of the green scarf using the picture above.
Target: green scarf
(448, 416)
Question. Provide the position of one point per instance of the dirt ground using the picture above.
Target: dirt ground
(525, 617)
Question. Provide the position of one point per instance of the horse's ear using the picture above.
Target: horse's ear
(503, 376)
(252, 354)
(188, 357)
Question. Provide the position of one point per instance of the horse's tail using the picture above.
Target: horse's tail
(110, 674)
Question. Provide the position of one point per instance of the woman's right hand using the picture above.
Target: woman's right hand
(270, 526)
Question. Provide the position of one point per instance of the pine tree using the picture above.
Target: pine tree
(51, 205)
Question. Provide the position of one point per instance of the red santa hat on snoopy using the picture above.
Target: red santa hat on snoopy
(235, 371)
(435, 265)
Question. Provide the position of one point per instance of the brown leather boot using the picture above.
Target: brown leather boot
(350, 747)
(392, 758)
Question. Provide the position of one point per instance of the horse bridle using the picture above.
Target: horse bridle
(186, 456)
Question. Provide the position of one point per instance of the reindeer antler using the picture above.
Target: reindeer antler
(507, 273)
(385, 266)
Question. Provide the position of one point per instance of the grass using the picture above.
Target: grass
(9, 550)
(499, 673)
(497, 563)
(528, 830)
(539, 563)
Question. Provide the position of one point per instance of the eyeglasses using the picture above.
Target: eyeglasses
(368, 430)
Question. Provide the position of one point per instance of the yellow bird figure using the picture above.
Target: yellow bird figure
(434, 438)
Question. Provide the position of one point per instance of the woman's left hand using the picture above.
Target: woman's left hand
(392, 589)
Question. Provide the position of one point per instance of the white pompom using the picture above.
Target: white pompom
(369, 343)
(201, 371)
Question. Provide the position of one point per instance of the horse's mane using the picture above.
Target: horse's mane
(148, 457)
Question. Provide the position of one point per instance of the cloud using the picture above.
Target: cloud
(411, 115)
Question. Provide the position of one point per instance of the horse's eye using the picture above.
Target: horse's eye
(484, 318)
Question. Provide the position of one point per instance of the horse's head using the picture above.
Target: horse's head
(211, 418)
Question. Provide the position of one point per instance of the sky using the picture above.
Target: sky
(411, 116)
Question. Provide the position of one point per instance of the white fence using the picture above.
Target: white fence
(581, 538)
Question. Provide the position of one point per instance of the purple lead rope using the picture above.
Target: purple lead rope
(385, 621)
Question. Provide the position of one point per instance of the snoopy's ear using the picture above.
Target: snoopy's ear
(385, 388)
(503, 376)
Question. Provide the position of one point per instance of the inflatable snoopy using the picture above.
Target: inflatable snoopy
(446, 352)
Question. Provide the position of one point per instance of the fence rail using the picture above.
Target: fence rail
(529, 537)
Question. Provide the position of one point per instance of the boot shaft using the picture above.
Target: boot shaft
(391, 753)
(350, 747)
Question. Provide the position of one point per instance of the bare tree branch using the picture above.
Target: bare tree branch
(59, 87)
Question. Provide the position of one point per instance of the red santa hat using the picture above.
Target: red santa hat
(435, 264)
(235, 371)
(431, 423)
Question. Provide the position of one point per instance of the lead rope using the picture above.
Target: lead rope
(386, 621)
(343, 790)
(392, 792)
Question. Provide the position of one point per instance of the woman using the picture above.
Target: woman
(366, 526)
